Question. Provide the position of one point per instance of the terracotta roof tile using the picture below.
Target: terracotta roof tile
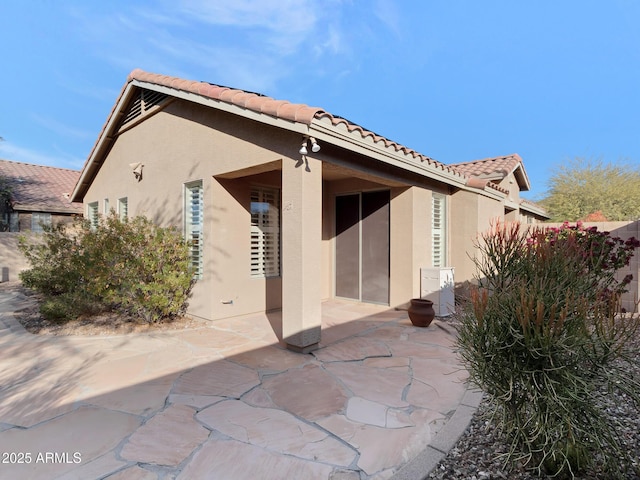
(488, 166)
(295, 112)
(40, 187)
(305, 114)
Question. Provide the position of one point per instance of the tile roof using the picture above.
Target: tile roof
(294, 112)
(279, 109)
(40, 188)
(489, 166)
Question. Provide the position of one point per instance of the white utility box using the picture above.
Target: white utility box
(436, 284)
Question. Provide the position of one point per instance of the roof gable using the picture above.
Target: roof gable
(496, 169)
(297, 117)
(40, 188)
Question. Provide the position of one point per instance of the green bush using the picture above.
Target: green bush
(132, 267)
(542, 337)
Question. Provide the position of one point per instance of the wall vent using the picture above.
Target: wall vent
(144, 101)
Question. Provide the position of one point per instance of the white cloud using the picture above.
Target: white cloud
(10, 151)
(60, 128)
(250, 44)
(387, 12)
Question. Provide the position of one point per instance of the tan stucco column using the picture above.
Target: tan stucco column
(301, 253)
(410, 241)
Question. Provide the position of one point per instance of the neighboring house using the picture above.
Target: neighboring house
(286, 204)
(508, 173)
(38, 195)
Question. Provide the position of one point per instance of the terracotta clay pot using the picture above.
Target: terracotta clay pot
(421, 312)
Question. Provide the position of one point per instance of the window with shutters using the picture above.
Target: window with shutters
(105, 209)
(92, 214)
(265, 232)
(123, 208)
(193, 214)
(438, 230)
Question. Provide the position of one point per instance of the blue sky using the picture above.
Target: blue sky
(455, 80)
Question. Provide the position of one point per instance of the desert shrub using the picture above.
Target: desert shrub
(53, 259)
(542, 337)
(132, 267)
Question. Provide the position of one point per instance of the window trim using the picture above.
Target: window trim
(262, 261)
(191, 228)
(92, 214)
(439, 249)
(123, 208)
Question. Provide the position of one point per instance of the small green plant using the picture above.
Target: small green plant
(542, 337)
(132, 267)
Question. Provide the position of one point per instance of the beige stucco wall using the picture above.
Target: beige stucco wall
(471, 213)
(12, 261)
(185, 143)
(410, 241)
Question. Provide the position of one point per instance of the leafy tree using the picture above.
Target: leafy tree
(583, 187)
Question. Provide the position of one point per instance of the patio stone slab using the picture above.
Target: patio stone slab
(276, 431)
(308, 392)
(387, 362)
(270, 359)
(224, 401)
(221, 378)
(356, 348)
(373, 413)
(98, 468)
(143, 399)
(134, 473)
(196, 401)
(167, 439)
(385, 386)
(437, 384)
(29, 405)
(230, 459)
(382, 448)
(89, 431)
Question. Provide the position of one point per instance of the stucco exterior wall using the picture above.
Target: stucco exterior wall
(471, 214)
(410, 241)
(12, 261)
(186, 143)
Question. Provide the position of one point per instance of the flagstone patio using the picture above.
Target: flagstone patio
(380, 399)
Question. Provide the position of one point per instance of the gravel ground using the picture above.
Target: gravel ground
(476, 455)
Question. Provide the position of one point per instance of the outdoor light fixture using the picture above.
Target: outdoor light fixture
(137, 170)
(315, 148)
(303, 148)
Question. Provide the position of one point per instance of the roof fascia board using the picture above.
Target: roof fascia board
(324, 132)
(105, 137)
(532, 209)
(26, 208)
(352, 142)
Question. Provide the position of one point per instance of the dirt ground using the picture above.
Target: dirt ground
(102, 324)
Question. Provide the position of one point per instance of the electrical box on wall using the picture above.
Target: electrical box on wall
(437, 285)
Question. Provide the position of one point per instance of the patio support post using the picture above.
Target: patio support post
(301, 253)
